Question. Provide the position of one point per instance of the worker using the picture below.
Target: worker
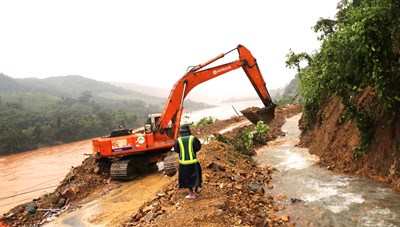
(190, 175)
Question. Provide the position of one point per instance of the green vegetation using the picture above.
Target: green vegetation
(247, 138)
(254, 135)
(43, 112)
(24, 127)
(360, 49)
(205, 121)
(290, 93)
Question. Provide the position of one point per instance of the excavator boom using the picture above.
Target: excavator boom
(174, 105)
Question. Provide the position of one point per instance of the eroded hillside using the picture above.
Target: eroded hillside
(335, 143)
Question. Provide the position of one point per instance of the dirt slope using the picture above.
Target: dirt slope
(235, 190)
(334, 142)
(234, 193)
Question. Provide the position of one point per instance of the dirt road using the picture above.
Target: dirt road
(114, 208)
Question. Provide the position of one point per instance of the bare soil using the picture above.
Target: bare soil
(234, 192)
(334, 142)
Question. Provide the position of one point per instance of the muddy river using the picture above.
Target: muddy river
(30, 174)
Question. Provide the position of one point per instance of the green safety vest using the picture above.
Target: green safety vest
(186, 155)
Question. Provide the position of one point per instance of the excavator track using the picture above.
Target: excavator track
(130, 167)
(123, 169)
(170, 164)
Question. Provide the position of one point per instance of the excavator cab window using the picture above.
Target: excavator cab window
(120, 132)
(147, 125)
(150, 123)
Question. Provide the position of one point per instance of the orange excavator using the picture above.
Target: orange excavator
(130, 150)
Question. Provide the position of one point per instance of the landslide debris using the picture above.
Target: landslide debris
(235, 190)
(233, 137)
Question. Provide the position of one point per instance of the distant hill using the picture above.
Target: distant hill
(275, 95)
(9, 84)
(73, 87)
(162, 93)
(40, 92)
(155, 91)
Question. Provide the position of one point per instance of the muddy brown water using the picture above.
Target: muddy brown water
(30, 174)
(319, 197)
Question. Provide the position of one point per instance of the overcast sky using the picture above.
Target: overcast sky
(153, 42)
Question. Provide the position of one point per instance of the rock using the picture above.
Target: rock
(69, 193)
(237, 178)
(30, 207)
(271, 215)
(285, 218)
(257, 188)
(96, 170)
(148, 216)
(239, 186)
(147, 208)
(61, 202)
(216, 165)
(294, 200)
(205, 177)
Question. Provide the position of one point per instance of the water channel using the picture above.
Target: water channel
(317, 196)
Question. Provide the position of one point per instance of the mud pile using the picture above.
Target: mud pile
(235, 190)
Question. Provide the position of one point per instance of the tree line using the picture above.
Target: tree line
(24, 128)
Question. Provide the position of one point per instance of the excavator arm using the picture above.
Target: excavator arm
(174, 105)
(131, 151)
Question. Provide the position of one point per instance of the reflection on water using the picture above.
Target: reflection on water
(321, 197)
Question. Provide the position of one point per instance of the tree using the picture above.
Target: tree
(85, 96)
(360, 49)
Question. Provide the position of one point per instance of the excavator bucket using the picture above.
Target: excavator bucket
(256, 114)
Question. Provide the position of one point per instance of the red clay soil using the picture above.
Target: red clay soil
(334, 143)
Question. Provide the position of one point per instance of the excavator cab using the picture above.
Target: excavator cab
(150, 125)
